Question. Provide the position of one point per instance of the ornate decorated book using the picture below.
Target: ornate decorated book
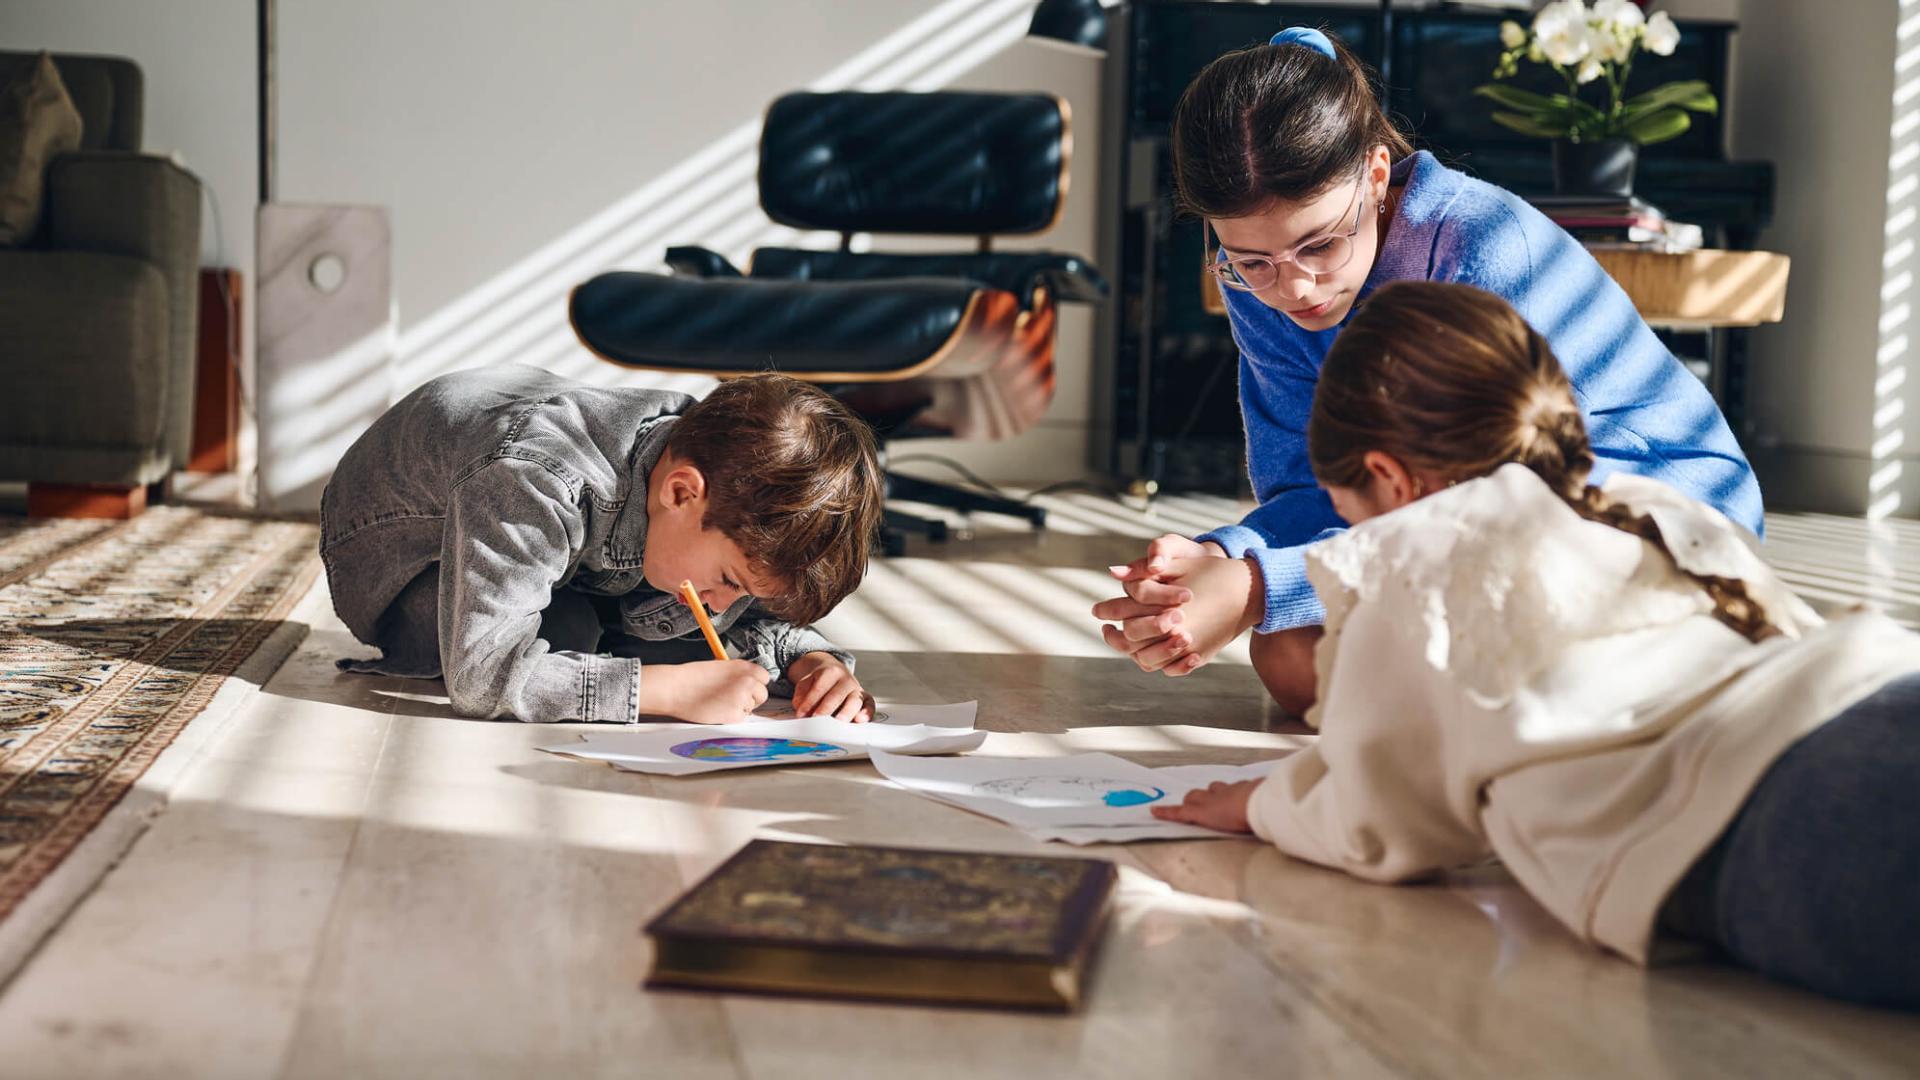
(950, 927)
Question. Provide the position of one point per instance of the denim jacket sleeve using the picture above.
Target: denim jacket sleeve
(512, 534)
(773, 644)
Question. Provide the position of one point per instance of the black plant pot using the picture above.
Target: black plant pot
(1594, 168)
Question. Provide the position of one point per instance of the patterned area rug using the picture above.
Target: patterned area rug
(113, 635)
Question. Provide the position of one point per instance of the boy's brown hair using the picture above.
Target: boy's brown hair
(794, 478)
(1450, 380)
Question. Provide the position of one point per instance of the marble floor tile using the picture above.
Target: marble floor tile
(355, 882)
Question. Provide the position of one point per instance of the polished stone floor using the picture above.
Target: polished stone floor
(353, 882)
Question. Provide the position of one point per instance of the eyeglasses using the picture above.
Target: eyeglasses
(1324, 255)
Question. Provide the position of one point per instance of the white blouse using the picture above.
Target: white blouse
(1501, 676)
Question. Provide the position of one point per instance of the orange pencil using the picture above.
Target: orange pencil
(692, 598)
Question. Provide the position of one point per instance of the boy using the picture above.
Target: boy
(525, 536)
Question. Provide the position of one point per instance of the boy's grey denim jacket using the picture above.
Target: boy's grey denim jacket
(517, 482)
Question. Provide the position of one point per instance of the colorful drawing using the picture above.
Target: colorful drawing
(738, 748)
(1049, 791)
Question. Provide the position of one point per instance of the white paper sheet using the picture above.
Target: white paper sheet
(1080, 799)
(684, 749)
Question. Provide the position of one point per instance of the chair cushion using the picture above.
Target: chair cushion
(826, 331)
(37, 122)
(933, 163)
(1066, 277)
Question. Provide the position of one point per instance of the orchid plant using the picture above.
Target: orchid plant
(1585, 45)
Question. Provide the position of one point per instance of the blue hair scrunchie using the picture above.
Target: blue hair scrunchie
(1305, 35)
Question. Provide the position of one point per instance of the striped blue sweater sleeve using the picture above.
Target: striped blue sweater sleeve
(1276, 397)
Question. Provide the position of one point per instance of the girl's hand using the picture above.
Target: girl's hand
(823, 686)
(1140, 574)
(1225, 598)
(1220, 806)
(1149, 612)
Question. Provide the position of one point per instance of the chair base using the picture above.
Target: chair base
(899, 524)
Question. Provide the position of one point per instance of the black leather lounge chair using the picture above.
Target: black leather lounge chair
(953, 344)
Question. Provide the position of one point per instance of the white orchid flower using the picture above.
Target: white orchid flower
(1661, 36)
(1608, 46)
(1561, 31)
(1512, 34)
(1557, 15)
(1590, 69)
(1619, 14)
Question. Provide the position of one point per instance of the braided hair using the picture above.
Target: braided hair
(1451, 381)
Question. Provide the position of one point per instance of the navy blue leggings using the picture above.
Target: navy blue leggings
(1817, 881)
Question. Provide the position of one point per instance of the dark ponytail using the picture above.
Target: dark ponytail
(1451, 381)
(1275, 122)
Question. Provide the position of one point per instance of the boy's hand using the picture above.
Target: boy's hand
(823, 686)
(704, 692)
(1220, 806)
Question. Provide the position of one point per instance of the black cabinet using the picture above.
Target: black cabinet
(1165, 396)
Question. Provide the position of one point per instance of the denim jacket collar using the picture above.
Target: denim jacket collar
(627, 540)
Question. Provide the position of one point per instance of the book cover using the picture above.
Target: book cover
(954, 927)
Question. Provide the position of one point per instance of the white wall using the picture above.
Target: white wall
(198, 60)
(1814, 93)
(520, 149)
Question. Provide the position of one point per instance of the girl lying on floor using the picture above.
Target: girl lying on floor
(1604, 687)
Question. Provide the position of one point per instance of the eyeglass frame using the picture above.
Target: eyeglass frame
(1219, 267)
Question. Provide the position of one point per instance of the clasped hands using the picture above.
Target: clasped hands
(1184, 602)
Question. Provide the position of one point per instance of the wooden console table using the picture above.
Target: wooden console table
(1688, 290)
(1701, 290)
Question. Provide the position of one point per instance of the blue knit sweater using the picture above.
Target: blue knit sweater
(1645, 413)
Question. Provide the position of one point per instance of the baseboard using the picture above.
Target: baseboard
(1823, 481)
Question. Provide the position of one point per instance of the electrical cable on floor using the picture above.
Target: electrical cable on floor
(987, 486)
(967, 474)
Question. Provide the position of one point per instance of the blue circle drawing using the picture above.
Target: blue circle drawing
(1064, 791)
(744, 748)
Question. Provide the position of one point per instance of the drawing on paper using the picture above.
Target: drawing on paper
(1051, 791)
(755, 749)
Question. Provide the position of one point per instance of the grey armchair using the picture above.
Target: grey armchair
(98, 314)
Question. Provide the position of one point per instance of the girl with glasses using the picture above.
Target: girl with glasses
(1312, 200)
